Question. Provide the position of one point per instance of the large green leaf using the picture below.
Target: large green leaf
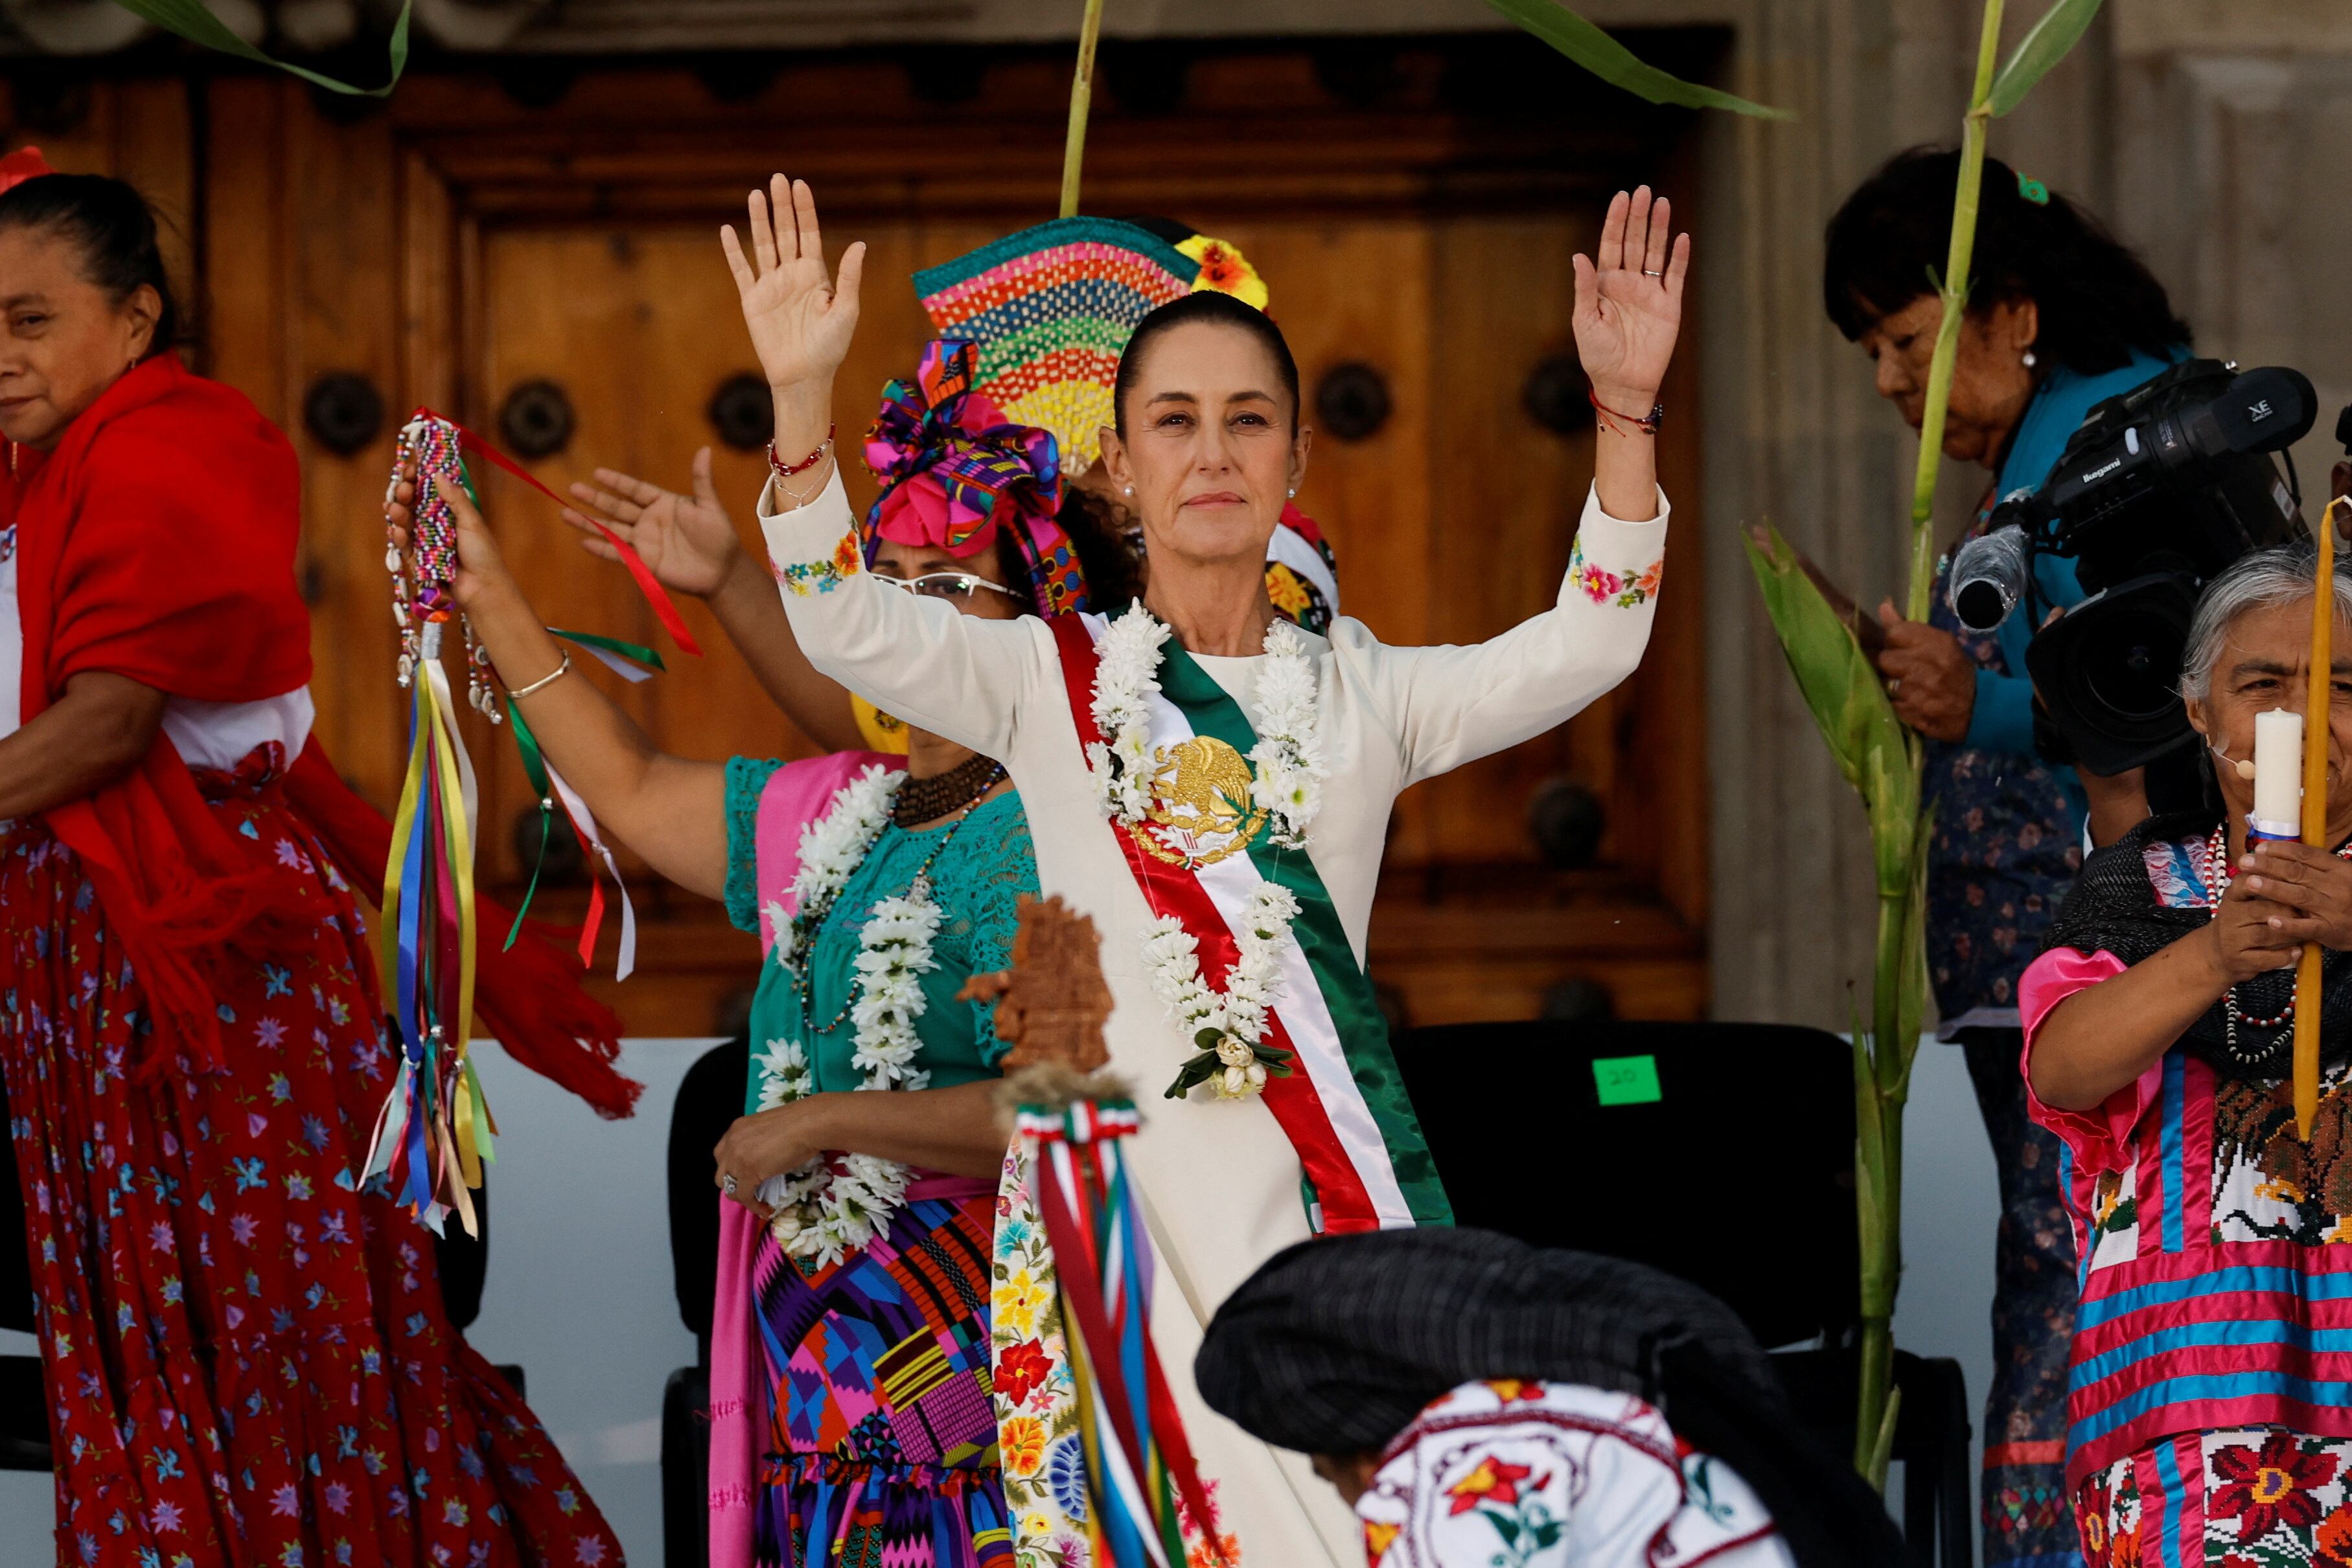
(2053, 37)
(1848, 703)
(1615, 64)
(193, 20)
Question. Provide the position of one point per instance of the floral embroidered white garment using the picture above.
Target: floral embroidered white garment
(1550, 1475)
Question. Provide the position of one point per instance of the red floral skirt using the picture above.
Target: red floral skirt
(247, 1362)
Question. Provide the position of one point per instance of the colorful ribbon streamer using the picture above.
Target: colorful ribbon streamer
(1142, 1484)
(434, 1135)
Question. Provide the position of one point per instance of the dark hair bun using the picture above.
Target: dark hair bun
(1888, 242)
(112, 227)
(1205, 306)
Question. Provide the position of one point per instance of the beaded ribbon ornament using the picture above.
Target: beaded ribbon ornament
(434, 1133)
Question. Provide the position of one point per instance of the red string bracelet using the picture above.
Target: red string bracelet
(786, 471)
(1647, 424)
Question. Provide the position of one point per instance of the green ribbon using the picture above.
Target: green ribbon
(629, 650)
(534, 767)
(193, 21)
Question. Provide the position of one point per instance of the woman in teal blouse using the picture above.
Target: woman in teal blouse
(851, 1407)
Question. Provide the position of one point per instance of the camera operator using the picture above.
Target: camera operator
(2061, 316)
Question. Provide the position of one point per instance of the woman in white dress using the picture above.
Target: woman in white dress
(1213, 785)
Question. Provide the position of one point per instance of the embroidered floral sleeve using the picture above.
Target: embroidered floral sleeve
(747, 779)
(1625, 590)
(806, 577)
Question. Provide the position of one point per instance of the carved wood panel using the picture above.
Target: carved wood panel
(457, 244)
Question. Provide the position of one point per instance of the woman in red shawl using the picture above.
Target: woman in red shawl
(248, 1361)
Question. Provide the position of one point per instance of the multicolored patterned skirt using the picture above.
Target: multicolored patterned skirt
(882, 1440)
(247, 1362)
(2254, 1497)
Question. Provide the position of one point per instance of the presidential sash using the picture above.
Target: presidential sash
(1198, 857)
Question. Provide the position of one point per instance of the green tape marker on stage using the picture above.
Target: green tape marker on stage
(1626, 1080)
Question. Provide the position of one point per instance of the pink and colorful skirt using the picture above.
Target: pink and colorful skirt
(881, 1444)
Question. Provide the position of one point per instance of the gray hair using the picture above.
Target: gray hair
(2262, 581)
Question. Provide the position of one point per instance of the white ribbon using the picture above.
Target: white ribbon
(586, 824)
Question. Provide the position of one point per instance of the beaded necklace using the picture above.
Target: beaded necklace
(2217, 874)
(927, 800)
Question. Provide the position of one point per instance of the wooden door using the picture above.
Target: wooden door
(473, 238)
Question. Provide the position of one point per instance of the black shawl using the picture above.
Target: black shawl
(1335, 1345)
(2113, 908)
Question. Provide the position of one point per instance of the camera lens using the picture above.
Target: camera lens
(2109, 671)
(2131, 672)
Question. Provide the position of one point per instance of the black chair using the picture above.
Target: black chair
(709, 1099)
(1719, 1153)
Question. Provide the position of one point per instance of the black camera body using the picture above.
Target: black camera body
(2160, 489)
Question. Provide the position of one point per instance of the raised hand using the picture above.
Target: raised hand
(1629, 303)
(688, 542)
(801, 319)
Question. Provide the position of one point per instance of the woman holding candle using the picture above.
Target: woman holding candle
(2061, 316)
(2210, 1412)
(1212, 785)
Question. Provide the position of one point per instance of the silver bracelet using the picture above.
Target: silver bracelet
(562, 669)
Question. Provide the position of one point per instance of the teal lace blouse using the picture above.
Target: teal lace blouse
(978, 878)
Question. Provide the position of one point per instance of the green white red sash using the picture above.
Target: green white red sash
(1344, 1108)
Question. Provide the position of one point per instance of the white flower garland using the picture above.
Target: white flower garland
(1287, 757)
(829, 1208)
(1226, 1029)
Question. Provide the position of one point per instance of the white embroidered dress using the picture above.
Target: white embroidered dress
(1219, 1181)
(1558, 1475)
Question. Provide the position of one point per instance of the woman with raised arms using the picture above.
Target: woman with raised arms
(1213, 786)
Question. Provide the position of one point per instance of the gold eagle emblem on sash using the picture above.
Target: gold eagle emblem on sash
(1201, 811)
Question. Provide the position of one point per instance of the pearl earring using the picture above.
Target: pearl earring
(1294, 491)
(1126, 490)
(2028, 359)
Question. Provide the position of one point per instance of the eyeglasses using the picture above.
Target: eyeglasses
(945, 584)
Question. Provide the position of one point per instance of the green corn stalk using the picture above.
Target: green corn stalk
(1082, 97)
(1884, 763)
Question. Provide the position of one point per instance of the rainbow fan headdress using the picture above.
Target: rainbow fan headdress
(1050, 308)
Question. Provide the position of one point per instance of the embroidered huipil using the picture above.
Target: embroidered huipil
(853, 1411)
(1558, 1475)
(1387, 718)
(2215, 1286)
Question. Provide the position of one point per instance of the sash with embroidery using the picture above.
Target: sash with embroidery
(1344, 1108)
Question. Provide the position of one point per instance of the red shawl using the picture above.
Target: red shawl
(156, 541)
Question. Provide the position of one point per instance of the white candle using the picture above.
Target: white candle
(2278, 770)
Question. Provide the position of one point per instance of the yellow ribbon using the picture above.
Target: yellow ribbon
(465, 1088)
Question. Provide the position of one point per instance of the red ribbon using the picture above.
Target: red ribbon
(665, 609)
